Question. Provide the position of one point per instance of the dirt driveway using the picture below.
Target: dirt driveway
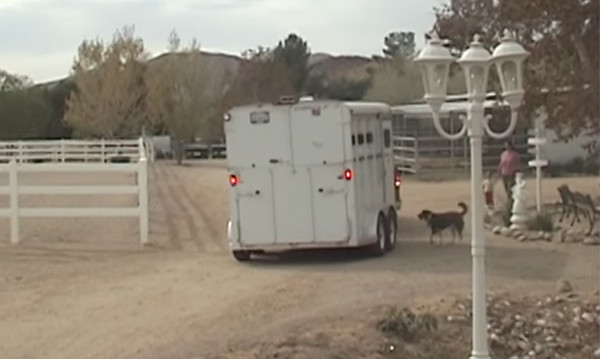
(86, 289)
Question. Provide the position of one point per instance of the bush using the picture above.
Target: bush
(407, 325)
(541, 222)
(578, 165)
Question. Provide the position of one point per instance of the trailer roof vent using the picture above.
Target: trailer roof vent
(286, 100)
(306, 99)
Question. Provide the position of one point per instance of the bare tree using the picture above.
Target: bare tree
(109, 94)
(181, 94)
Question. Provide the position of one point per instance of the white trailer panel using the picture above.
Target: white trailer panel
(310, 174)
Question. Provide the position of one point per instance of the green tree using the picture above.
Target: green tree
(260, 78)
(294, 53)
(57, 96)
(396, 81)
(24, 111)
(10, 81)
(343, 89)
(399, 43)
(109, 78)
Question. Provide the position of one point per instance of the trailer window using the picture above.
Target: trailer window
(369, 137)
(353, 140)
(259, 117)
(361, 138)
(387, 138)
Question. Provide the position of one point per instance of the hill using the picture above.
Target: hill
(223, 67)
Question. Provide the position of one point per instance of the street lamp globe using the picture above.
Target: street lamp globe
(434, 61)
(475, 64)
(508, 57)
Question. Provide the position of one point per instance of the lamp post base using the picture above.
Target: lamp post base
(480, 356)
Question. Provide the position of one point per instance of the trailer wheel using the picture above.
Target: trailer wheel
(241, 256)
(392, 224)
(378, 248)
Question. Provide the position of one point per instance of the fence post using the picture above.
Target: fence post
(152, 150)
(143, 198)
(20, 146)
(141, 149)
(14, 201)
(102, 151)
(416, 141)
(62, 150)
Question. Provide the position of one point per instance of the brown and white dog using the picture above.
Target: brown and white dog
(437, 222)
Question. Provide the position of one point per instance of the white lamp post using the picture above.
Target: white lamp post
(434, 61)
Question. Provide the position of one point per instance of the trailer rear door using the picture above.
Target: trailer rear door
(330, 207)
(318, 143)
(317, 134)
(293, 207)
(254, 197)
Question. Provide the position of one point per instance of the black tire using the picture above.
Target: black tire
(241, 256)
(378, 248)
(392, 228)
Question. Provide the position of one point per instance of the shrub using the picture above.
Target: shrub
(407, 325)
(541, 222)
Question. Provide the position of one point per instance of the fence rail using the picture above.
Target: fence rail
(75, 150)
(19, 165)
(406, 153)
(436, 155)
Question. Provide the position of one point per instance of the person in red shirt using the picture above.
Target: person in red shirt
(510, 164)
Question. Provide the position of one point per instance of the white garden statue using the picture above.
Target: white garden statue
(520, 215)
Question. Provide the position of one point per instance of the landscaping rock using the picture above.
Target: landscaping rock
(592, 241)
(497, 230)
(563, 286)
(540, 328)
(563, 235)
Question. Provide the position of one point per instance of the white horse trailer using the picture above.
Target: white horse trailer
(311, 174)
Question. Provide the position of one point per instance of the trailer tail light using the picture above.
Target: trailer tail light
(233, 180)
(397, 180)
(348, 174)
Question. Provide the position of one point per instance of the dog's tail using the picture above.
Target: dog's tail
(464, 208)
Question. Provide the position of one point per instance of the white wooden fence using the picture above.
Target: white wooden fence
(75, 150)
(14, 189)
(406, 153)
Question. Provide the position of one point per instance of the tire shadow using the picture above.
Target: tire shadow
(414, 254)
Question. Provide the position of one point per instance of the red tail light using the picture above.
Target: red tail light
(398, 180)
(233, 180)
(348, 174)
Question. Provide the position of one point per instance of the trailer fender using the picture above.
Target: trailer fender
(230, 231)
(373, 225)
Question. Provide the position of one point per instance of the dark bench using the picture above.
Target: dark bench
(576, 203)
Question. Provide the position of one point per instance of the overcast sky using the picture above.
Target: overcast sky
(39, 38)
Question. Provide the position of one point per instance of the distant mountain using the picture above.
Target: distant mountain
(224, 67)
(336, 67)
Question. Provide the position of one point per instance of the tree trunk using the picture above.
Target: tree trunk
(179, 151)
